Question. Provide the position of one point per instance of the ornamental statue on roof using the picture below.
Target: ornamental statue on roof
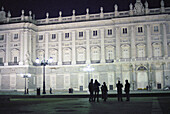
(138, 9)
(2, 14)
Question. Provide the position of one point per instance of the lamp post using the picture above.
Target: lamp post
(44, 63)
(88, 69)
(25, 76)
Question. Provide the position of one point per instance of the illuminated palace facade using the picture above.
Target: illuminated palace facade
(119, 45)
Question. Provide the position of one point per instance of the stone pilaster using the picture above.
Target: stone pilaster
(88, 47)
(149, 46)
(25, 44)
(7, 56)
(102, 46)
(59, 48)
(133, 43)
(21, 47)
(73, 48)
(165, 46)
(46, 46)
(118, 43)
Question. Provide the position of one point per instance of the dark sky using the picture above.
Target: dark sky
(40, 7)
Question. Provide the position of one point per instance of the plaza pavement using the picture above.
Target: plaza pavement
(62, 102)
(137, 105)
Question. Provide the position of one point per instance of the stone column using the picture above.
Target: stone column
(60, 48)
(165, 46)
(102, 46)
(88, 47)
(46, 46)
(118, 51)
(7, 56)
(133, 43)
(149, 46)
(73, 48)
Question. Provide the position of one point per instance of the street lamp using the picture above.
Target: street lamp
(44, 63)
(25, 76)
(88, 69)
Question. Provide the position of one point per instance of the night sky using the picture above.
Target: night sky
(40, 7)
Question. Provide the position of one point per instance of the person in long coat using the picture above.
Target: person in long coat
(119, 91)
(91, 89)
(127, 90)
(96, 90)
(104, 91)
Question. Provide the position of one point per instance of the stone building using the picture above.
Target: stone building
(119, 45)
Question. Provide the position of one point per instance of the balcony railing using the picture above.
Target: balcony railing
(13, 63)
(95, 61)
(80, 62)
(67, 63)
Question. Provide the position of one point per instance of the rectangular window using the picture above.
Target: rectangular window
(95, 33)
(124, 30)
(15, 36)
(40, 37)
(109, 31)
(1, 37)
(156, 29)
(80, 34)
(1, 60)
(140, 30)
(15, 59)
(53, 36)
(66, 35)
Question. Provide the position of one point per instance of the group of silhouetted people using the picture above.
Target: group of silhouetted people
(119, 90)
(94, 90)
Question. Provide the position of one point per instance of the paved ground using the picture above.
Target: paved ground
(137, 105)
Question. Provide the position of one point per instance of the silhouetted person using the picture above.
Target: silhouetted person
(27, 91)
(104, 91)
(96, 90)
(91, 90)
(119, 91)
(127, 89)
(50, 90)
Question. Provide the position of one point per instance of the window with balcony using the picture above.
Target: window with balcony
(15, 59)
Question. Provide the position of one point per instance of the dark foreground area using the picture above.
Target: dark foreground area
(137, 105)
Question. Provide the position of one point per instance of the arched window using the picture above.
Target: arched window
(157, 50)
(81, 55)
(40, 54)
(125, 51)
(110, 54)
(141, 50)
(95, 54)
(66, 55)
(15, 56)
(54, 54)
